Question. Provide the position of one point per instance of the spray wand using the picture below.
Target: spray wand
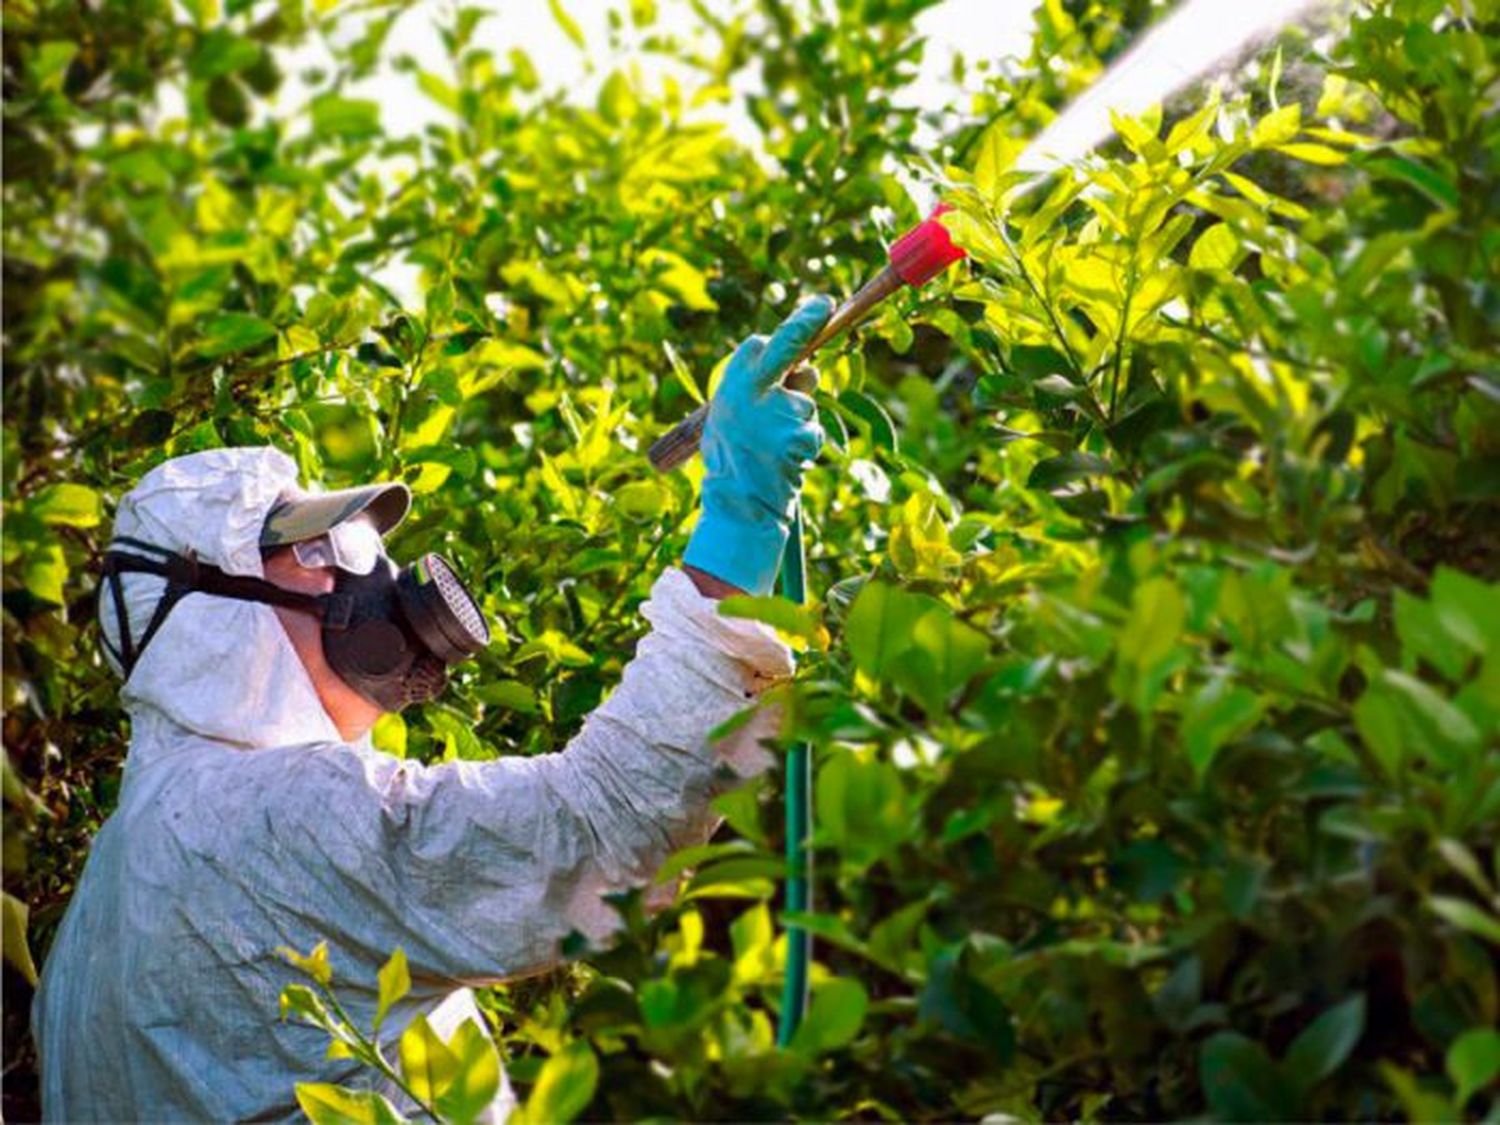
(916, 258)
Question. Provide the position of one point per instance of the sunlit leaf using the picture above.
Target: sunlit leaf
(67, 505)
(395, 982)
(233, 332)
(834, 1017)
(569, 27)
(326, 1104)
(565, 1086)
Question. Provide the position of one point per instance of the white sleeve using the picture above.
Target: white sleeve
(482, 868)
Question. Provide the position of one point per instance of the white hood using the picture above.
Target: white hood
(220, 668)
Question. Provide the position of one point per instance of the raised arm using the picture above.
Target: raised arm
(481, 869)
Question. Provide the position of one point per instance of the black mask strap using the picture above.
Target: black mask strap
(115, 563)
(186, 575)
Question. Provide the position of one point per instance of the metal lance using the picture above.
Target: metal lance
(915, 259)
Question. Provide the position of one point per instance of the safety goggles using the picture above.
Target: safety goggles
(354, 545)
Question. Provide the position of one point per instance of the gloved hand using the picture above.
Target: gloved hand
(756, 439)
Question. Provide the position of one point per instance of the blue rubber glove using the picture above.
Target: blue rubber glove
(756, 441)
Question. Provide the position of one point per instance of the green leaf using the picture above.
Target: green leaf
(335, 117)
(1149, 869)
(566, 22)
(395, 982)
(17, 952)
(1219, 713)
(49, 64)
(1312, 154)
(871, 417)
(754, 940)
(1157, 615)
(234, 332)
(675, 275)
(512, 695)
(994, 155)
(833, 1018)
(389, 734)
(204, 12)
(1240, 1081)
(326, 1104)
(427, 1063)
(67, 505)
(617, 102)
(556, 648)
(1468, 608)
(227, 101)
(1277, 127)
(1217, 248)
(643, 500)
(478, 1079)
(1138, 133)
(1437, 186)
(746, 877)
(976, 237)
(314, 964)
(1381, 724)
(1421, 627)
(1195, 127)
(1324, 1045)
(438, 90)
(778, 612)
(861, 807)
(1180, 994)
(893, 940)
(1438, 720)
(565, 1086)
(683, 375)
(880, 625)
(965, 1006)
(1273, 80)
(1466, 916)
(299, 1000)
(1466, 863)
(1473, 1061)
(460, 742)
(740, 808)
(222, 52)
(1056, 473)
(945, 653)
(1404, 720)
(1060, 386)
(524, 69)
(1419, 1103)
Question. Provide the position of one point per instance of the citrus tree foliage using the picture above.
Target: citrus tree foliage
(1153, 679)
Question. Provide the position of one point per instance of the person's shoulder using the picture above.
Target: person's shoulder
(203, 769)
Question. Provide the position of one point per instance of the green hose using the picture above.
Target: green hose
(798, 821)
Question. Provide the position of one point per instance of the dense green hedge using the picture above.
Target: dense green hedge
(1154, 678)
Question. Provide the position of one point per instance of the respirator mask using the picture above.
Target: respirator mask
(389, 632)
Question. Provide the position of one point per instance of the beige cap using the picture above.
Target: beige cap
(308, 515)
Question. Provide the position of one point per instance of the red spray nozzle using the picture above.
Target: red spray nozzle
(925, 251)
(916, 258)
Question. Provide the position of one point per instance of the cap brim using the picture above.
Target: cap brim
(307, 517)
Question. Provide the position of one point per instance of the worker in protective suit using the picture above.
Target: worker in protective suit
(261, 631)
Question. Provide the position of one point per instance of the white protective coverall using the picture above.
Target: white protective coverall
(245, 823)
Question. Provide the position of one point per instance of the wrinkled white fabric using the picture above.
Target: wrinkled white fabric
(237, 833)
